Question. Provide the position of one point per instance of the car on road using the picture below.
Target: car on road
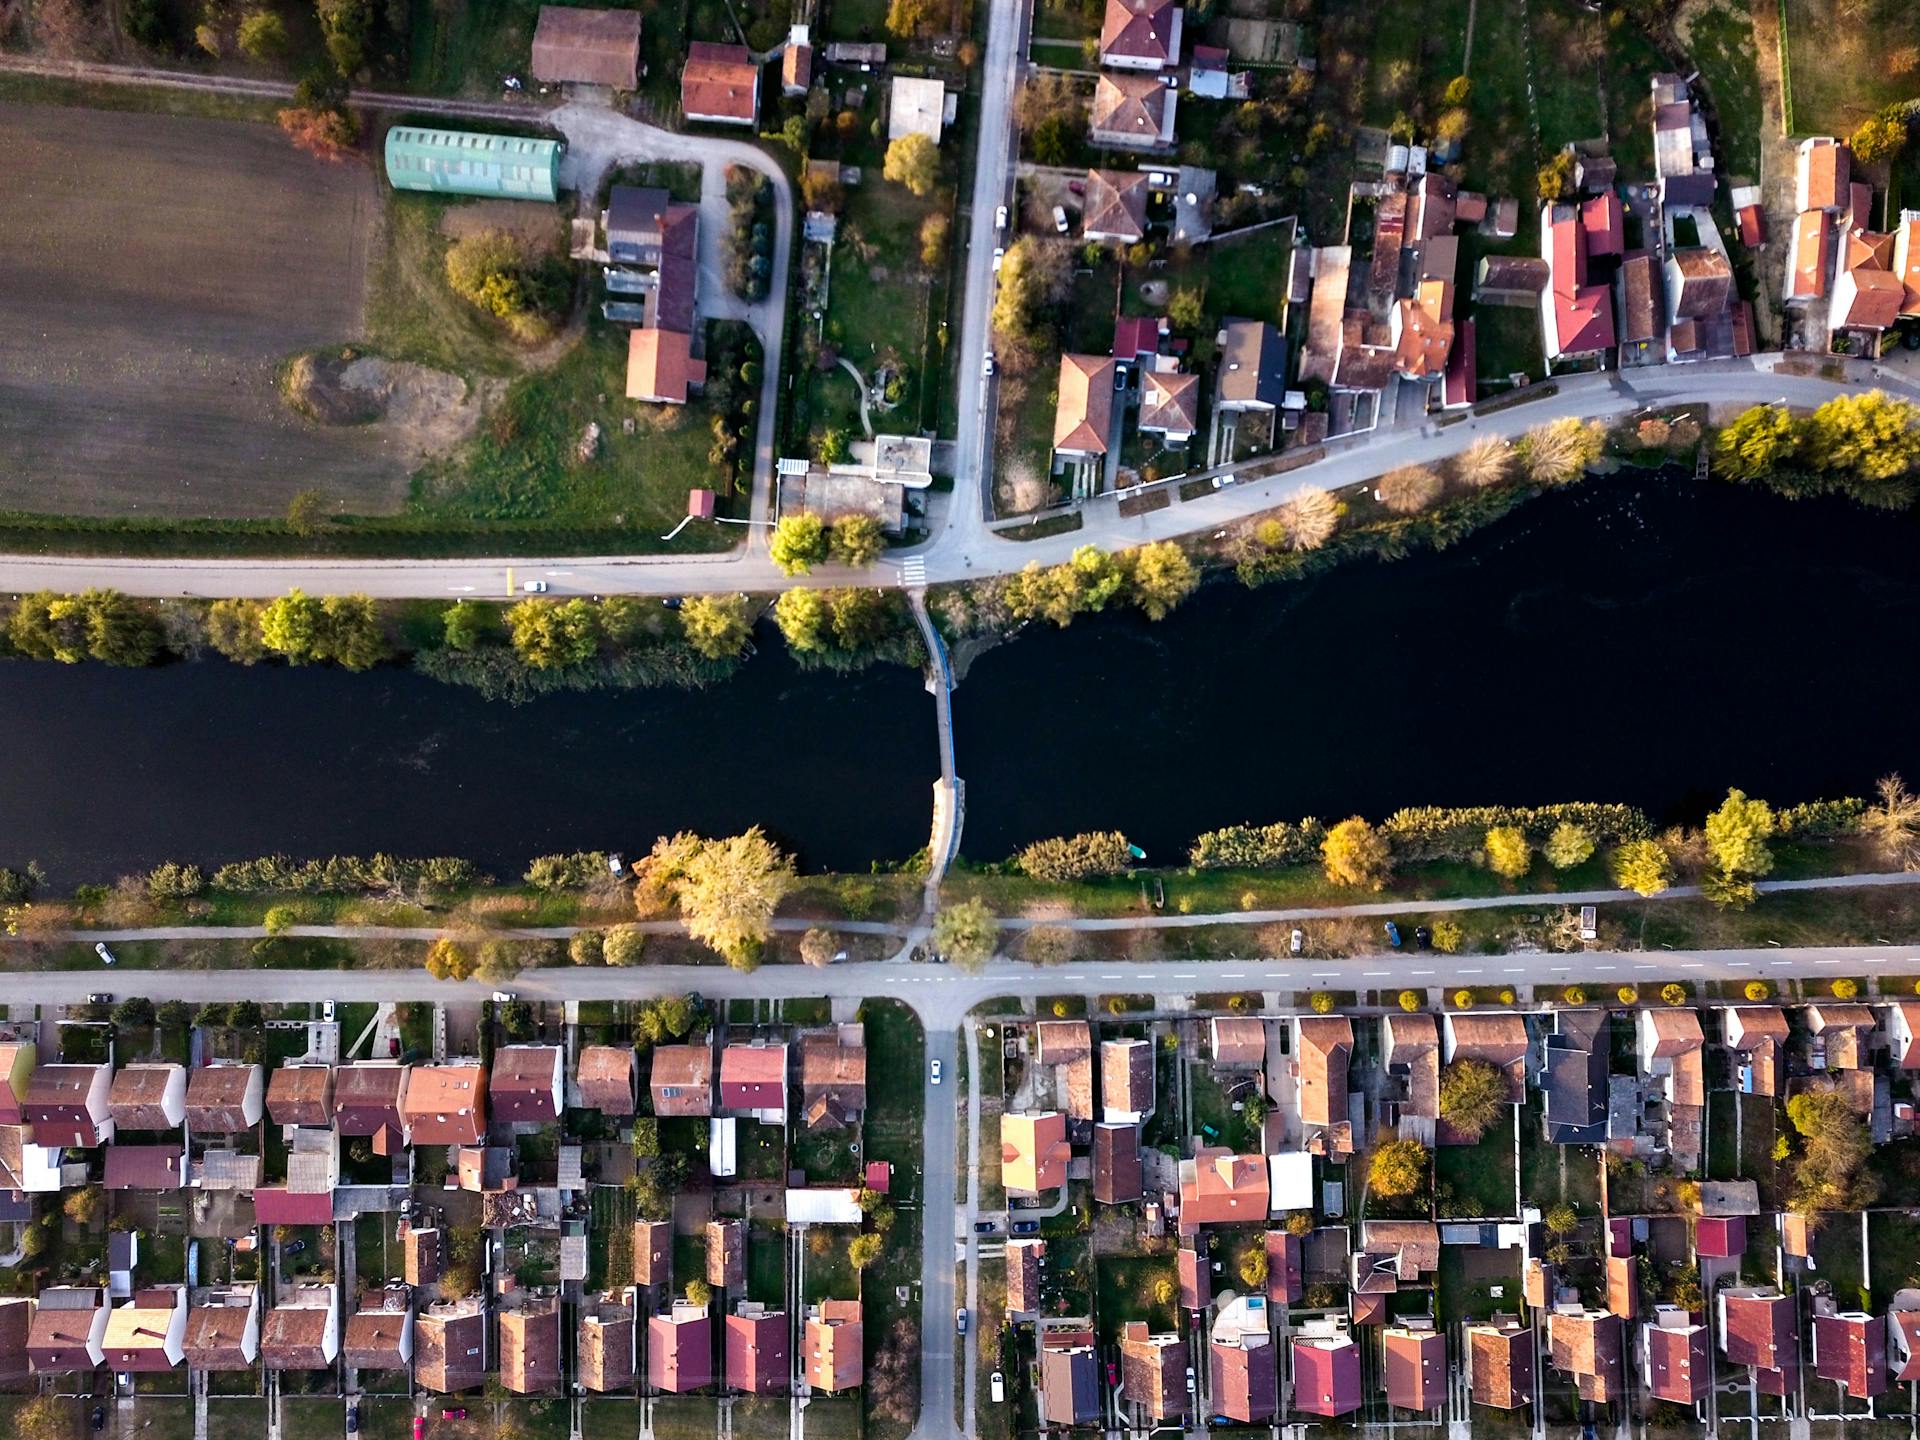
(986, 366)
(99, 997)
(1000, 218)
(1393, 935)
(503, 997)
(1060, 219)
(353, 1419)
(534, 587)
(1025, 1227)
(960, 1321)
(393, 1045)
(933, 1073)
(106, 955)
(1113, 1374)
(454, 1412)
(99, 1417)
(1191, 1386)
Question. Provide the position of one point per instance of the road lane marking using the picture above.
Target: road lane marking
(1873, 962)
(1371, 974)
(1646, 967)
(1184, 975)
(1474, 971)
(1325, 974)
(1109, 975)
(1234, 975)
(1691, 965)
(1512, 970)
(1606, 967)
(1420, 972)
(1826, 962)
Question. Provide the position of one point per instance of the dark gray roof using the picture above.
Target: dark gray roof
(1574, 1078)
(633, 224)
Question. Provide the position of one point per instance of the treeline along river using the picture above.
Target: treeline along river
(1644, 640)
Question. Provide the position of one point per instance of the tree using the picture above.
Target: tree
(727, 889)
(1758, 990)
(1892, 823)
(1642, 867)
(1164, 1290)
(1253, 1266)
(1322, 1002)
(246, 1015)
(262, 35)
(119, 631)
(498, 961)
(1473, 1096)
(233, 628)
(804, 620)
(1398, 1169)
(550, 635)
(350, 632)
(172, 1015)
(447, 960)
(1408, 489)
(1355, 854)
(1508, 853)
(907, 18)
(307, 511)
(1574, 995)
(1448, 936)
(1872, 436)
(1555, 178)
(1183, 308)
(173, 881)
(818, 947)
(133, 1013)
(668, 1017)
(212, 1013)
(1311, 517)
(716, 626)
(516, 1020)
(1561, 1221)
(326, 134)
(1846, 989)
(86, 1205)
(1880, 136)
(464, 624)
(1410, 1000)
(799, 543)
(587, 947)
(1757, 443)
(46, 1417)
(1560, 450)
(1159, 577)
(623, 945)
(864, 1249)
(1035, 275)
(1483, 463)
(1057, 137)
(913, 161)
(291, 626)
(699, 1292)
(1569, 845)
(967, 933)
(1831, 1173)
(860, 618)
(934, 233)
(1737, 835)
(857, 540)
(1627, 995)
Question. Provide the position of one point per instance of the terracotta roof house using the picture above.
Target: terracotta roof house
(1218, 1187)
(1903, 1344)
(1822, 174)
(283, 1205)
(1033, 1152)
(1500, 1363)
(369, 1099)
(754, 1078)
(1642, 308)
(1850, 1349)
(1140, 35)
(1500, 1040)
(1700, 281)
(682, 1080)
(1585, 1344)
(1237, 1042)
(1757, 1034)
(1394, 1250)
(1323, 1045)
(606, 1343)
(380, 1334)
(27, 1168)
(1537, 1283)
(148, 1334)
(605, 1076)
(1673, 1058)
(1170, 405)
(574, 46)
(833, 1079)
(450, 1345)
(680, 1349)
(756, 1342)
(1132, 112)
(653, 1253)
(296, 1095)
(226, 1099)
(1251, 374)
(720, 85)
(67, 1105)
(796, 65)
(223, 1328)
(1576, 316)
(1118, 1176)
(1195, 1279)
(148, 1097)
(1415, 1360)
(727, 1254)
(446, 1104)
(1842, 1030)
(1083, 414)
(1069, 1385)
(1126, 1081)
(1024, 1257)
(16, 1324)
(1676, 1360)
(1420, 329)
(1153, 1371)
(17, 1062)
(1809, 256)
(1115, 205)
(1906, 260)
(1326, 1374)
(302, 1332)
(1285, 1280)
(1867, 295)
(423, 1254)
(146, 1167)
(68, 1330)
(833, 1360)
(524, 1086)
(530, 1347)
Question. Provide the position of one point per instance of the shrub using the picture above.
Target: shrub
(1257, 847)
(1354, 853)
(1448, 936)
(1568, 845)
(1628, 995)
(1409, 1001)
(1322, 1002)
(1066, 859)
(587, 947)
(575, 871)
(623, 945)
(1758, 990)
(1574, 995)
(1507, 996)
(1844, 989)
(172, 881)
(1508, 853)
(1673, 993)
(1463, 999)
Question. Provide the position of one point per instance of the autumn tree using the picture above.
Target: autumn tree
(799, 543)
(913, 161)
(449, 960)
(1871, 437)
(1560, 450)
(1473, 1096)
(1253, 1266)
(1554, 180)
(1737, 835)
(857, 540)
(1311, 517)
(907, 18)
(966, 933)
(85, 1205)
(1485, 462)
(1408, 489)
(1757, 443)
(1356, 854)
(1569, 845)
(1508, 853)
(1398, 1169)
(716, 626)
(818, 947)
(1831, 1173)
(1881, 135)
(1183, 308)
(46, 1417)
(551, 635)
(233, 628)
(1642, 866)
(1892, 823)
(727, 890)
(623, 945)
(1159, 577)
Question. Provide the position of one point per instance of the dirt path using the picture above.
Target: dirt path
(1777, 168)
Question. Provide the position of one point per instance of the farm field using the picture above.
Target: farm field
(144, 315)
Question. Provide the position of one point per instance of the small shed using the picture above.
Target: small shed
(573, 46)
(464, 162)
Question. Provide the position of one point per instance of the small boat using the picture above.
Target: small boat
(1136, 852)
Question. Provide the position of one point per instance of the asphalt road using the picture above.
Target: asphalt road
(939, 1137)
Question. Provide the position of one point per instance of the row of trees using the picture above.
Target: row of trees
(847, 627)
(1154, 578)
(800, 542)
(1864, 446)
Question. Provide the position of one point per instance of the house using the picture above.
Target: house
(1118, 1177)
(1126, 1081)
(1033, 1152)
(833, 1078)
(720, 85)
(1576, 318)
(295, 1095)
(587, 47)
(1676, 1362)
(148, 1334)
(446, 1104)
(1324, 1043)
(1132, 112)
(1153, 1371)
(302, 1331)
(524, 1087)
(226, 1099)
(606, 1342)
(1415, 1359)
(662, 368)
(1069, 1380)
(796, 62)
(605, 1077)
(726, 1243)
(1237, 1042)
(423, 1254)
(1822, 175)
(1757, 1036)
(1392, 1251)
(1511, 280)
(1115, 205)
(1420, 328)
(1411, 1053)
(146, 1167)
(1673, 1059)
(1840, 1031)
(487, 1169)
(1585, 1344)
(1285, 1282)
(1538, 1285)
(1867, 296)
(148, 1097)
(1243, 1368)
(1719, 1237)
(1757, 1329)
(1906, 261)
(1326, 1374)
(1251, 375)
(1140, 35)
(1699, 282)
(450, 1345)
(69, 1327)
(1752, 221)
(1850, 1349)
(656, 239)
(1083, 414)
(1195, 1279)
(1500, 1363)
(1170, 406)
(1500, 1040)
(680, 1349)
(1903, 1344)
(1642, 307)
(1218, 1187)
(67, 1105)
(27, 1168)
(1809, 256)
(17, 1060)
(530, 1346)
(223, 1327)
(753, 1078)
(756, 1345)
(833, 1360)
(916, 106)
(16, 1326)
(380, 1333)
(369, 1099)
(682, 1080)
(1573, 1078)
(1025, 1257)
(653, 1254)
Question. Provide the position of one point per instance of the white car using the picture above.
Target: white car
(534, 587)
(933, 1073)
(1060, 219)
(100, 949)
(986, 366)
(999, 254)
(502, 997)
(1000, 218)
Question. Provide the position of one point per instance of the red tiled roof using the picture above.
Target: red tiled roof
(719, 82)
(1139, 29)
(1326, 1377)
(661, 366)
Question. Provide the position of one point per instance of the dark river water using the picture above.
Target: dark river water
(1637, 640)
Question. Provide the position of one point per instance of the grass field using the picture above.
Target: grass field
(1479, 1177)
(145, 316)
(1847, 58)
(1721, 43)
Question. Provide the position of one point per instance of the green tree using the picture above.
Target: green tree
(860, 618)
(293, 626)
(464, 624)
(587, 947)
(549, 636)
(174, 881)
(212, 1014)
(447, 960)
(913, 161)
(727, 889)
(624, 945)
(1508, 853)
(1356, 854)
(1642, 867)
(1569, 845)
(1056, 138)
(1880, 136)
(246, 1015)
(1728, 891)
(716, 626)
(1183, 308)
(966, 933)
(1159, 577)
(1448, 936)
(1757, 443)
(1398, 1169)
(804, 619)
(1473, 1096)
(1561, 1221)
(857, 540)
(799, 543)
(864, 1249)
(233, 629)
(1832, 1171)
(307, 511)
(133, 1013)
(1737, 835)
(172, 1015)
(262, 35)
(351, 632)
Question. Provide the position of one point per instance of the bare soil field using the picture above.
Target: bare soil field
(154, 272)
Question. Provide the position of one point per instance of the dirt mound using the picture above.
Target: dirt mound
(314, 388)
(419, 411)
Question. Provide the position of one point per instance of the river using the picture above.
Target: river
(1632, 639)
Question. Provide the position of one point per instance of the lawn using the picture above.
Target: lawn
(305, 1419)
(1413, 48)
(1571, 106)
(1847, 58)
(1723, 1145)
(1552, 1174)
(767, 1266)
(1500, 155)
(239, 1419)
(1468, 1277)
(1893, 1244)
(828, 1417)
(609, 1419)
(1836, 1258)
(1125, 1287)
(685, 1417)
(1721, 43)
(1479, 1177)
(1212, 1108)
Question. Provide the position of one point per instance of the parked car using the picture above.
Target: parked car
(353, 1419)
(454, 1412)
(1000, 218)
(1060, 219)
(1113, 1375)
(983, 1227)
(1191, 1386)
(293, 1247)
(503, 997)
(419, 1426)
(999, 1386)
(99, 997)
(1393, 935)
(1025, 1227)
(106, 955)
(999, 254)
(986, 366)
(534, 587)
(1298, 942)
(99, 1417)
(960, 1321)
(933, 1073)
(1422, 936)
(1119, 377)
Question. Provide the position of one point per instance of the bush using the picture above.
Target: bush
(1064, 860)
(1322, 1002)
(497, 274)
(1574, 995)
(567, 872)
(1258, 847)
(1844, 989)
(1627, 994)
(344, 874)
(1758, 990)
(1673, 993)
(587, 947)
(1356, 854)
(1463, 999)
(1409, 1001)
(1448, 936)
(172, 881)
(1398, 1169)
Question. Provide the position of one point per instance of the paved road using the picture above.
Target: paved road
(940, 1141)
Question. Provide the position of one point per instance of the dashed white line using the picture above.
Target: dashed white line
(1325, 974)
(1185, 975)
(1233, 975)
(1512, 970)
(1692, 965)
(1371, 974)
(1420, 972)
(1873, 962)
(1606, 967)
(1826, 962)
(1112, 975)
(1474, 971)
(1646, 967)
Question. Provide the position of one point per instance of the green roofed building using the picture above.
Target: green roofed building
(461, 162)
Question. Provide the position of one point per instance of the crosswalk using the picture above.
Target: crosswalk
(913, 572)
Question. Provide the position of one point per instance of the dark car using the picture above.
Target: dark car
(1026, 1227)
(393, 1045)
(293, 1247)
(1393, 935)
(1422, 936)
(99, 1417)
(353, 1419)
(983, 1227)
